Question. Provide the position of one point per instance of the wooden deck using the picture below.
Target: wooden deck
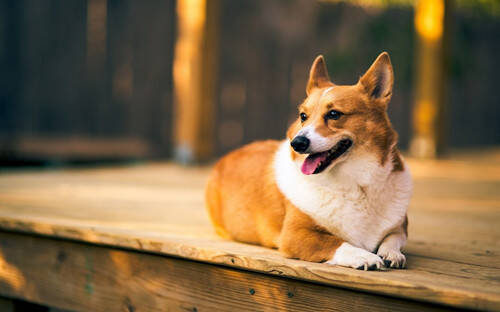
(124, 238)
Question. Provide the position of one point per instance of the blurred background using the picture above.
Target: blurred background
(100, 81)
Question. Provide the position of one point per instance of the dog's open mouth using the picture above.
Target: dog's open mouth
(317, 162)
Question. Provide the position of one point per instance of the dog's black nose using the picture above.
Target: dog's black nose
(300, 143)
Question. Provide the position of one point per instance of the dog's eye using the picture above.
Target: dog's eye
(333, 114)
(303, 117)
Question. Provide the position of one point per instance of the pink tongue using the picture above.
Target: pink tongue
(312, 162)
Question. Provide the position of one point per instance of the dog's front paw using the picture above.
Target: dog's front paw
(349, 256)
(393, 258)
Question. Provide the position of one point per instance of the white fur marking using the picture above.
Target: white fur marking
(326, 91)
(318, 143)
(356, 199)
(349, 256)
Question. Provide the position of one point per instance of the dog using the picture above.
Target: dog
(336, 190)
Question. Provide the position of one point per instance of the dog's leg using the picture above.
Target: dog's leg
(390, 248)
(301, 238)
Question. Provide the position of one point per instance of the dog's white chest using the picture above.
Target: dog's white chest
(361, 215)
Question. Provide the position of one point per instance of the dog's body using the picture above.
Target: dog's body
(335, 190)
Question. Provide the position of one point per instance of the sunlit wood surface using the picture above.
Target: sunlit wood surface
(454, 225)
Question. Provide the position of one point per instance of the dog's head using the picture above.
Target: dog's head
(335, 121)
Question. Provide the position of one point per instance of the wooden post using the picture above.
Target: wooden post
(429, 109)
(97, 15)
(96, 33)
(194, 79)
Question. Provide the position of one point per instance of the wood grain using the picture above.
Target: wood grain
(80, 277)
(453, 249)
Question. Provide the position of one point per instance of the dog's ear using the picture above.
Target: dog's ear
(318, 75)
(377, 81)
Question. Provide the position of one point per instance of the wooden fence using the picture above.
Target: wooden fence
(93, 79)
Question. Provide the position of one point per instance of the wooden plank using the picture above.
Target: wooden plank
(152, 39)
(434, 280)
(453, 252)
(51, 95)
(83, 277)
(139, 70)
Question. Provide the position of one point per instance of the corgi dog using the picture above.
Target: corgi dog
(336, 190)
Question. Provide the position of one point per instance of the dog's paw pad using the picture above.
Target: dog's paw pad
(393, 259)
